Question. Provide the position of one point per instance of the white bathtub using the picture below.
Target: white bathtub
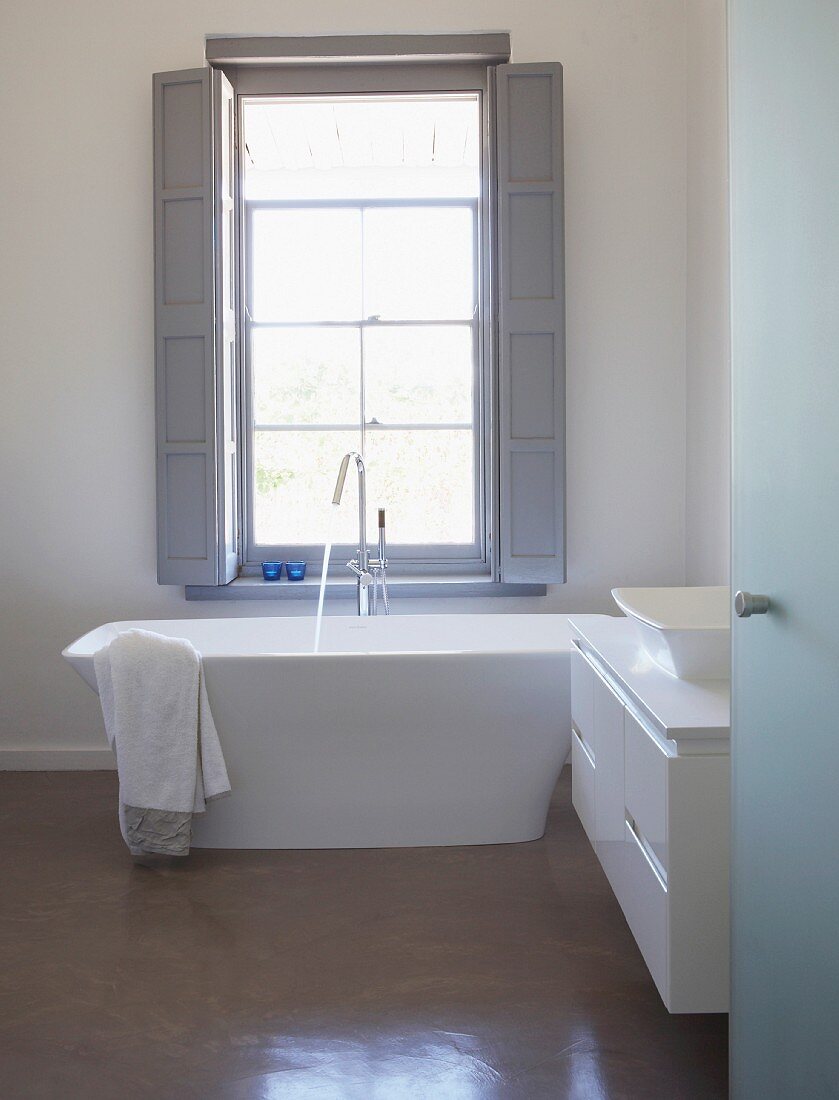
(403, 731)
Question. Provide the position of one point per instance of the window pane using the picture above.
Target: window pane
(350, 147)
(425, 481)
(416, 375)
(418, 263)
(306, 265)
(306, 375)
(294, 479)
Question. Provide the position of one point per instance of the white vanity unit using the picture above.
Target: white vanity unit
(650, 780)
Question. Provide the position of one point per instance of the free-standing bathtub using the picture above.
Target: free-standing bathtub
(404, 730)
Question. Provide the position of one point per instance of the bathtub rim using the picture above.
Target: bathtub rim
(80, 653)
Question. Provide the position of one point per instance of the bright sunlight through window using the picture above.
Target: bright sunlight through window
(362, 307)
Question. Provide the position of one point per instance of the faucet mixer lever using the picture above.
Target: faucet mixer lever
(365, 578)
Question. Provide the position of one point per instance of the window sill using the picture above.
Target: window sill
(433, 587)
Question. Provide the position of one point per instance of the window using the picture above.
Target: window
(363, 320)
(360, 256)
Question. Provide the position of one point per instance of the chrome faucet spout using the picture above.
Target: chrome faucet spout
(342, 477)
(361, 564)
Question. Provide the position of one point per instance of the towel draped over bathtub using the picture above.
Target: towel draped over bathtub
(159, 724)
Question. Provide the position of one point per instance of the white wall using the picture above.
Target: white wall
(77, 433)
(708, 403)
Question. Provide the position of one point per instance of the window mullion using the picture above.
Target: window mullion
(399, 426)
(361, 344)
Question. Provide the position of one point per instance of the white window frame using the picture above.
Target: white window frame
(432, 79)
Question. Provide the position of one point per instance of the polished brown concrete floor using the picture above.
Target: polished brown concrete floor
(437, 973)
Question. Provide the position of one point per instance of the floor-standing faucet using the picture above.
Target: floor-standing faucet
(367, 570)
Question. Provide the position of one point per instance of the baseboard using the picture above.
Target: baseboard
(56, 760)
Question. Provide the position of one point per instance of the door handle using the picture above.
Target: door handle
(746, 605)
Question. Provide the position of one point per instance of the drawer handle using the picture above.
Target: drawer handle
(599, 671)
(647, 851)
(583, 746)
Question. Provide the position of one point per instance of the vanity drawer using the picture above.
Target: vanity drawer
(643, 899)
(645, 785)
(582, 699)
(582, 784)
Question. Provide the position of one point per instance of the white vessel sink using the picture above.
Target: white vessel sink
(686, 631)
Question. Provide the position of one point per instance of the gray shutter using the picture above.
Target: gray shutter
(194, 337)
(531, 329)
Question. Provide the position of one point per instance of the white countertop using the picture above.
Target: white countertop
(683, 711)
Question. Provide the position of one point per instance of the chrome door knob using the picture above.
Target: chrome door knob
(746, 605)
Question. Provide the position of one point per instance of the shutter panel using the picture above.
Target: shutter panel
(531, 330)
(195, 399)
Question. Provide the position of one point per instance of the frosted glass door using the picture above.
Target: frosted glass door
(784, 66)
